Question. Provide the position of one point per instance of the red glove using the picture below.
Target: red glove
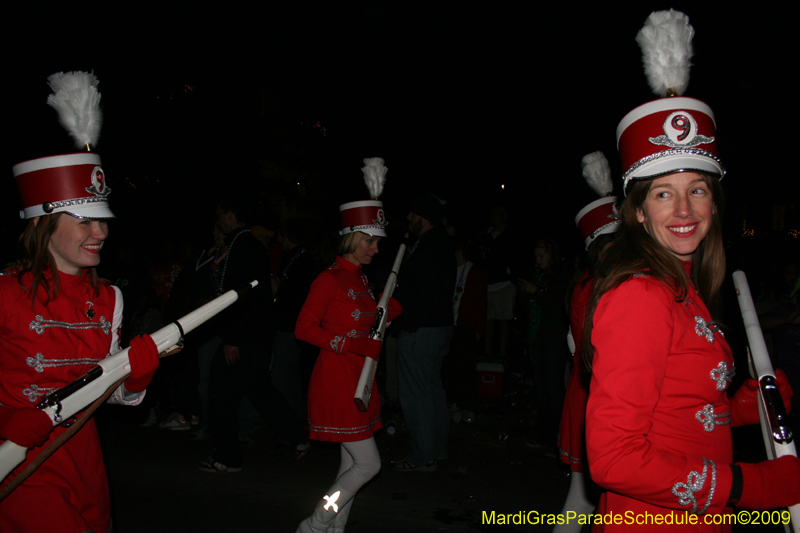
(365, 347)
(744, 404)
(143, 357)
(770, 484)
(26, 426)
(393, 308)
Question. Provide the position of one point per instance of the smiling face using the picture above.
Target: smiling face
(76, 242)
(678, 212)
(367, 247)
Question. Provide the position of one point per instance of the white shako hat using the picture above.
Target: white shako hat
(673, 133)
(70, 183)
(601, 216)
(367, 216)
(598, 218)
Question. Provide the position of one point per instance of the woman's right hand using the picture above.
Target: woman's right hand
(770, 484)
(29, 427)
(366, 347)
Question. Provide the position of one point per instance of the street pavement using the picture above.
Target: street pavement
(157, 487)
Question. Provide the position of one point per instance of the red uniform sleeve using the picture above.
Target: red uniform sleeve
(632, 336)
(309, 322)
(309, 326)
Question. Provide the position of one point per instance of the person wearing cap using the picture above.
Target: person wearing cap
(336, 317)
(57, 320)
(659, 417)
(425, 288)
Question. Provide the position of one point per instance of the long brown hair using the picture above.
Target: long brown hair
(33, 255)
(637, 251)
(586, 267)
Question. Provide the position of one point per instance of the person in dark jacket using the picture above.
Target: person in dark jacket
(293, 360)
(241, 366)
(425, 290)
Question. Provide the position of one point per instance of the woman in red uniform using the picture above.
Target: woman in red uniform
(658, 421)
(337, 317)
(598, 224)
(57, 320)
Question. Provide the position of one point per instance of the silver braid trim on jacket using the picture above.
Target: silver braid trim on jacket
(694, 483)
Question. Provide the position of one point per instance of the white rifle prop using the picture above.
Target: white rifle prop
(364, 387)
(778, 437)
(66, 402)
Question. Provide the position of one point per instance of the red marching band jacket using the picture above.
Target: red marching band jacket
(43, 348)
(340, 307)
(658, 418)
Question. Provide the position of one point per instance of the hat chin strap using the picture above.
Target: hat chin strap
(92, 208)
(371, 230)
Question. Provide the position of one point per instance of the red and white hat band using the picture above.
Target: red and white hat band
(72, 183)
(366, 216)
(598, 218)
(668, 135)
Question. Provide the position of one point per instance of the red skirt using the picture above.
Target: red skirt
(333, 415)
(572, 432)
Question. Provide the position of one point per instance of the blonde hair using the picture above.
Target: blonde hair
(349, 242)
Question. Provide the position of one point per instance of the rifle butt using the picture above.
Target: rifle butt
(364, 387)
(11, 454)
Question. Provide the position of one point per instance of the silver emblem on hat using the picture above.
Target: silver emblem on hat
(680, 131)
(99, 187)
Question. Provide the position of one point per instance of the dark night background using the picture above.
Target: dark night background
(206, 100)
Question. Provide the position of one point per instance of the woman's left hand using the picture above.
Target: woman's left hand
(744, 404)
(143, 357)
(526, 286)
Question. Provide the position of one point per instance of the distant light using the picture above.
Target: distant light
(503, 186)
(298, 183)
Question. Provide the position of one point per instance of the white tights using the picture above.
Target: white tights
(578, 502)
(360, 462)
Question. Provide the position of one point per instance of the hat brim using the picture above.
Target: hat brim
(99, 212)
(373, 232)
(666, 163)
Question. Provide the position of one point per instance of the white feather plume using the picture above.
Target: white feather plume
(597, 173)
(666, 42)
(77, 101)
(374, 175)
